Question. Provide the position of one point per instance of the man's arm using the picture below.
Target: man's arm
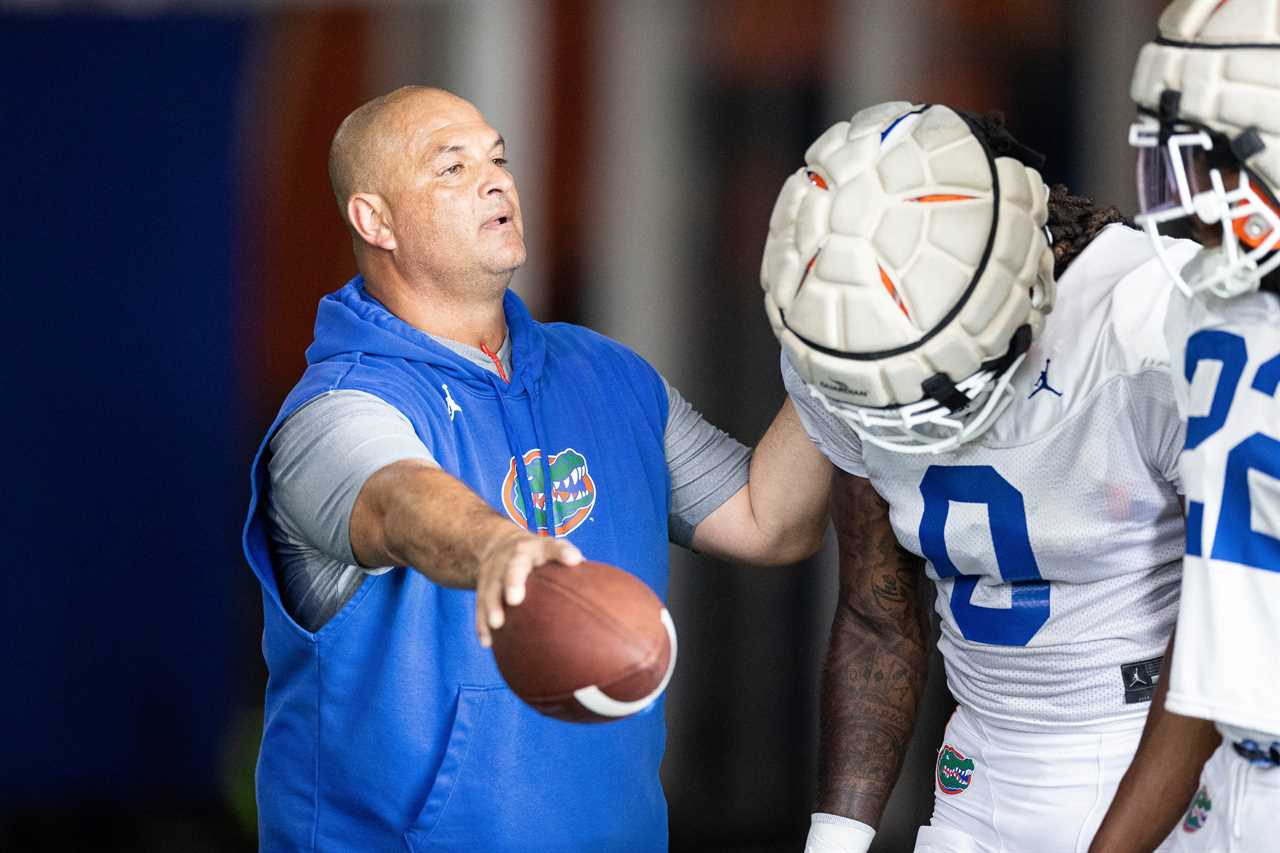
(1161, 779)
(398, 520)
(877, 659)
(778, 517)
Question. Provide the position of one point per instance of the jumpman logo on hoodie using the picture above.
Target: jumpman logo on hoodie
(450, 406)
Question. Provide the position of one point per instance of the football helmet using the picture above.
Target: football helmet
(1208, 138)
(906, 272)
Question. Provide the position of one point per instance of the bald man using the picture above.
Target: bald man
(440, 446)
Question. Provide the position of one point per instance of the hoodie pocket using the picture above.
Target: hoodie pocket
(514, 781)
(462, 736)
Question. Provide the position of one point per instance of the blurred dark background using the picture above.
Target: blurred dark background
(169, 228)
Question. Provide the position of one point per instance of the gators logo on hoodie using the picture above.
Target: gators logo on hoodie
(955, 772)
(573, 492)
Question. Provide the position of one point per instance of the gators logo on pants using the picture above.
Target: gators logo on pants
(573, 492)
(955, 772)
(1198, 812)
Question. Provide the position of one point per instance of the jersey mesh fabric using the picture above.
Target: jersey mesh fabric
(1227, 664)
(1091, 458)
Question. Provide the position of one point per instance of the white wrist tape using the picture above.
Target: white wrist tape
(830, 833)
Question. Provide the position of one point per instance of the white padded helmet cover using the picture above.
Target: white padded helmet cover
(1224, 58)
(883, 249)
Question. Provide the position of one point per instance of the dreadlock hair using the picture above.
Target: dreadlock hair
(1074, 220)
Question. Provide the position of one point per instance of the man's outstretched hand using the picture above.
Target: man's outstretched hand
(411, 513)
(504, 567)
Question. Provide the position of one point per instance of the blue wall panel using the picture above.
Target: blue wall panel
(117, 240)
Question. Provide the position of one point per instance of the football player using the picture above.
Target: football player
(1208, 134)
(1029, 462)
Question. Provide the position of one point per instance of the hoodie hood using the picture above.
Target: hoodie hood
(351, 322)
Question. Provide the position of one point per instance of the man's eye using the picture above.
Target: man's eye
(455, 169)
(500, 162)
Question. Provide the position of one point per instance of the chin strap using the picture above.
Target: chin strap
(942, 390)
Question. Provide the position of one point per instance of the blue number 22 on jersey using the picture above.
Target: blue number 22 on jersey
(980, 484)
(1234, 540)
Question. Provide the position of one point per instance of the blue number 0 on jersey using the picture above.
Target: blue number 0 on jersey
(1234, 540)
(980, 484)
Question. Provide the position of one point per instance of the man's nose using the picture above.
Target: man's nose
(497, 180)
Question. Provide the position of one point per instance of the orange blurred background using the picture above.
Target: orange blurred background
(171, 229)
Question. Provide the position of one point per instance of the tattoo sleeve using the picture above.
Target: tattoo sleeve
(877, 659)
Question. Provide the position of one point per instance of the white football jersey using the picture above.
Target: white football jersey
(1226, 367)
(1054, 539)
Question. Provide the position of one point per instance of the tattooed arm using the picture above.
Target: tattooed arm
(877, 659)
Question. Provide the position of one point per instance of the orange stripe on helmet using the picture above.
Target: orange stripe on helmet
(893, 291)
(930, 199)
(808, 268)
(816, 179)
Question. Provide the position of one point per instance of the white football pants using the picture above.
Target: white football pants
(1235, 809)
(1027, 791)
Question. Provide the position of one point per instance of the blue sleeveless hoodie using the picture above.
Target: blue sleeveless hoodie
(390, 728)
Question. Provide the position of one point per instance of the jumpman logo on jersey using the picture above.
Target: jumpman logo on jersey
(1042, 384)
(452, 407)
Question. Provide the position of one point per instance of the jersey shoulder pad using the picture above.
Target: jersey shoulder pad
(1115, 296)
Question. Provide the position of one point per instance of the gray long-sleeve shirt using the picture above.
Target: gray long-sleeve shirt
(323, 454)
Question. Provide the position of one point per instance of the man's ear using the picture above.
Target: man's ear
(370, 218)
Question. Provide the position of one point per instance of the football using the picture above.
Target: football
(590, 643)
